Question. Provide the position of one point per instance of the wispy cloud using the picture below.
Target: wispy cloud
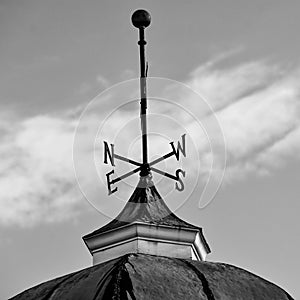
(36, 172)
(258, 106)
(100, 82)
(128, 74)
(256, 103)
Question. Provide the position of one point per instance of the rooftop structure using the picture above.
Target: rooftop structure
(147, 252)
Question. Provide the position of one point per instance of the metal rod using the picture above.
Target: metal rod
(154, 162)
(131, 161)
(143, 93)
(126, 175)
(142, 19)
(165, 174)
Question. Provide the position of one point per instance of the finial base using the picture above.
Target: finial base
(145, 170)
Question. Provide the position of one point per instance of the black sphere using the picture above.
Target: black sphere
(141, 18)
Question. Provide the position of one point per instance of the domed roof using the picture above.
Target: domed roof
(141, 276)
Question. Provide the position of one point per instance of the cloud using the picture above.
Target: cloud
(99, 83)
(256, 103)
(128, 74)
(36, 172)
(102, 81)
(258, 107)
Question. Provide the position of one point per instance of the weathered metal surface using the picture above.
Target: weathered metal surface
(145, 205)
(141, 276)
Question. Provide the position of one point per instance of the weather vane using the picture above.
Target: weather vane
(141, 19)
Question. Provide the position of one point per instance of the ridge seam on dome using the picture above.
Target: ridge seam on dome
(101, 283)
(115, 289)
(206, 289)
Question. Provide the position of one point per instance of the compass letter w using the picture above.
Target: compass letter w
(109, 153)
(180, 147)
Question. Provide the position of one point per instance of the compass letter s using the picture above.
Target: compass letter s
(180, 147)
(180, 186)
(109, 153)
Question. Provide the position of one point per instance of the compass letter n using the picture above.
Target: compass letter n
(180, 147)
(109, 152)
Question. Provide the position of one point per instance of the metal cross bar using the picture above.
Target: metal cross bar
(165, 174)
(154, 162)
(126, 175)
(117, 156)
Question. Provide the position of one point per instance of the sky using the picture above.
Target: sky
(56, 57)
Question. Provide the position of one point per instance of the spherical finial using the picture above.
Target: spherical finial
(141, 18)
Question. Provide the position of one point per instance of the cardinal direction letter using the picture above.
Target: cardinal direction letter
(110, 182)
(109, 153)
(180, 147)
(179, 185)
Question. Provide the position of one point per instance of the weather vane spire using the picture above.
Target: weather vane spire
(141, 19)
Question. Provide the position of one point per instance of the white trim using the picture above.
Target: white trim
(156, 235)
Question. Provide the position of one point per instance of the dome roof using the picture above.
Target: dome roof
(141, 276)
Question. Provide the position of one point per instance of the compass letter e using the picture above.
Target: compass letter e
(110, 183)
(109, 154)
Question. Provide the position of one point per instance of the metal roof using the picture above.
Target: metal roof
(141, 276)
(144, 205)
